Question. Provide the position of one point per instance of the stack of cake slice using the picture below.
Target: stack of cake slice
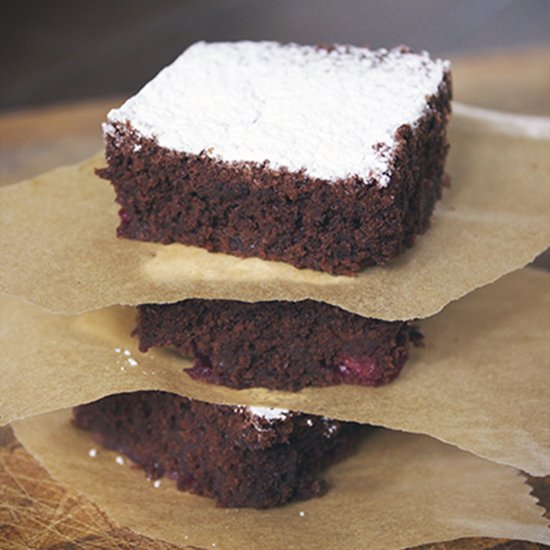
(328, 159)
(325, 158)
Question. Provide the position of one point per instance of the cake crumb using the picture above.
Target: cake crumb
(156, 483)
(92, 452)
(132, 362)
(119, 460)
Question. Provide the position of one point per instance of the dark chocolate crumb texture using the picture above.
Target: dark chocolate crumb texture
(329, 159)
(277, 345)
(240, 456)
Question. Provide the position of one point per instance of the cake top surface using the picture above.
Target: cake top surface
(330, 112)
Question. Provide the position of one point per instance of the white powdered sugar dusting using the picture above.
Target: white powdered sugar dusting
(332, 113)
(268, 413)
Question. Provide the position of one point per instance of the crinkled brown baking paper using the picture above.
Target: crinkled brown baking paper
(58, 231)
(481, 382)
(398, 490)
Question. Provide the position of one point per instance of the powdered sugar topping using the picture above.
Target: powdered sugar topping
(268, 413)
(333, 113)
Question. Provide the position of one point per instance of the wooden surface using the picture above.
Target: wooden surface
(35, 511)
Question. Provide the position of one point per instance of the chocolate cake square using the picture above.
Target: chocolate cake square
(240, 456)
(329, 158)
(277, 345)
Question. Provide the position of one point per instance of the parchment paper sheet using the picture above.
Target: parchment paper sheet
(58, 232)
(481, 382)
(398, 490)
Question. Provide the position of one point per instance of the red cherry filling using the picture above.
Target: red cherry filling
(368, 370)
(124, 216)
(201, 369)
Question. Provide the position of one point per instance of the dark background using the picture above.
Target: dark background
(57, 50)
